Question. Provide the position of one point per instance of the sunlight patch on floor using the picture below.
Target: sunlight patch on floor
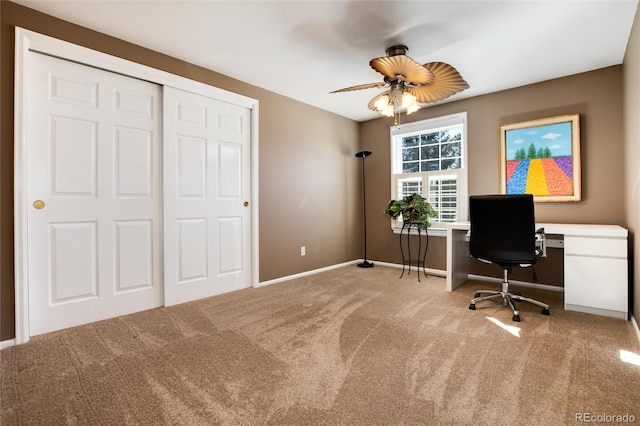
(510, 328)
(629, 357)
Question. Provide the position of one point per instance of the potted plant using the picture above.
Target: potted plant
(413, 208)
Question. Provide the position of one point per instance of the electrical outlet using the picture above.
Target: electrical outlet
(303, 251)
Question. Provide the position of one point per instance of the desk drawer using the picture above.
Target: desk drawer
(589, 246)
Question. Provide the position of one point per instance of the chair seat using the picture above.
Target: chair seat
(516, 257)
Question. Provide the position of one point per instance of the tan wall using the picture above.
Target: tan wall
(596, 95)
(632, 154)
(308, 173)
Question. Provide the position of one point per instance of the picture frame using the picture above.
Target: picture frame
(542, 157)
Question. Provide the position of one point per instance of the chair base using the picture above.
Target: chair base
(508, 299)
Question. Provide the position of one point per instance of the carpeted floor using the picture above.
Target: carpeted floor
(349, 346)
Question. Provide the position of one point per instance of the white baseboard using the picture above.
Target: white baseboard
(305, 274)
(7, 343)
(436, 272)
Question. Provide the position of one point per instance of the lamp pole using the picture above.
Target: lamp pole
(365, 264)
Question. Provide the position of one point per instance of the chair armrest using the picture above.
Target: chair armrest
(541, 242)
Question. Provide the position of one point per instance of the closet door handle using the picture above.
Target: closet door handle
(38, 204)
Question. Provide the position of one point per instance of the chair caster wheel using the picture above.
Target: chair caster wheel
(477, 295)
(472, 306)
(545, 311)
(516, 318)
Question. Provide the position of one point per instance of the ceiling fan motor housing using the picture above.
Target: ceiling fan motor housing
(398, 49)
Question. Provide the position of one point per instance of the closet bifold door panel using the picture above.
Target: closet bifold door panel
(93, 141)
(206, 174)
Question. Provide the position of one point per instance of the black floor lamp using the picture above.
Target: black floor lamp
(365, 264)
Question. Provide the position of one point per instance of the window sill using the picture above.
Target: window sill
(432, 232)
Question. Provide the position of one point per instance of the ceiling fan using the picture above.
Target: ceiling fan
(409, 83)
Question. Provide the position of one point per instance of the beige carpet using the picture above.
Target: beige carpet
(348, 346)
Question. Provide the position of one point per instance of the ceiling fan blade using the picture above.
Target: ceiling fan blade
(361, 86)
(392, 66)
(373, 101)
(447, 82)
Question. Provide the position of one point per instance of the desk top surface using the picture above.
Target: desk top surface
(571, 229)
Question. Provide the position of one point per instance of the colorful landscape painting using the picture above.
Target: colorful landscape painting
(539, 158)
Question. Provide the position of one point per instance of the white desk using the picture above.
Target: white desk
(595, 265)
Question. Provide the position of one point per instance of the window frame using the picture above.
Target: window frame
(426, 126)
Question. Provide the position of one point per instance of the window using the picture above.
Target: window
(429, 157)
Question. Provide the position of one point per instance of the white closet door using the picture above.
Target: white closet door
(207, 226)
(93, 140)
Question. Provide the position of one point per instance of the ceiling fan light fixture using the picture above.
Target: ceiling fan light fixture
(382, 103)
(409, 103)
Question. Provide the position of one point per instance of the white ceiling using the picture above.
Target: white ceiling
(304, 49)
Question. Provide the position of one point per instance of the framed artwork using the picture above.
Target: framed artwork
(542, 158)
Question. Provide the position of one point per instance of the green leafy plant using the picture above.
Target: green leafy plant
(412, 208)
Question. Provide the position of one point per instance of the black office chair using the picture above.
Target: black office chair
(503, 232)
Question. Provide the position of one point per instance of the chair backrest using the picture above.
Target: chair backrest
(503, 229)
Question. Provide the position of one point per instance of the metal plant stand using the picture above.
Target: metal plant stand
(420, 259)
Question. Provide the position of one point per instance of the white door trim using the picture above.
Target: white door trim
(31, 41)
